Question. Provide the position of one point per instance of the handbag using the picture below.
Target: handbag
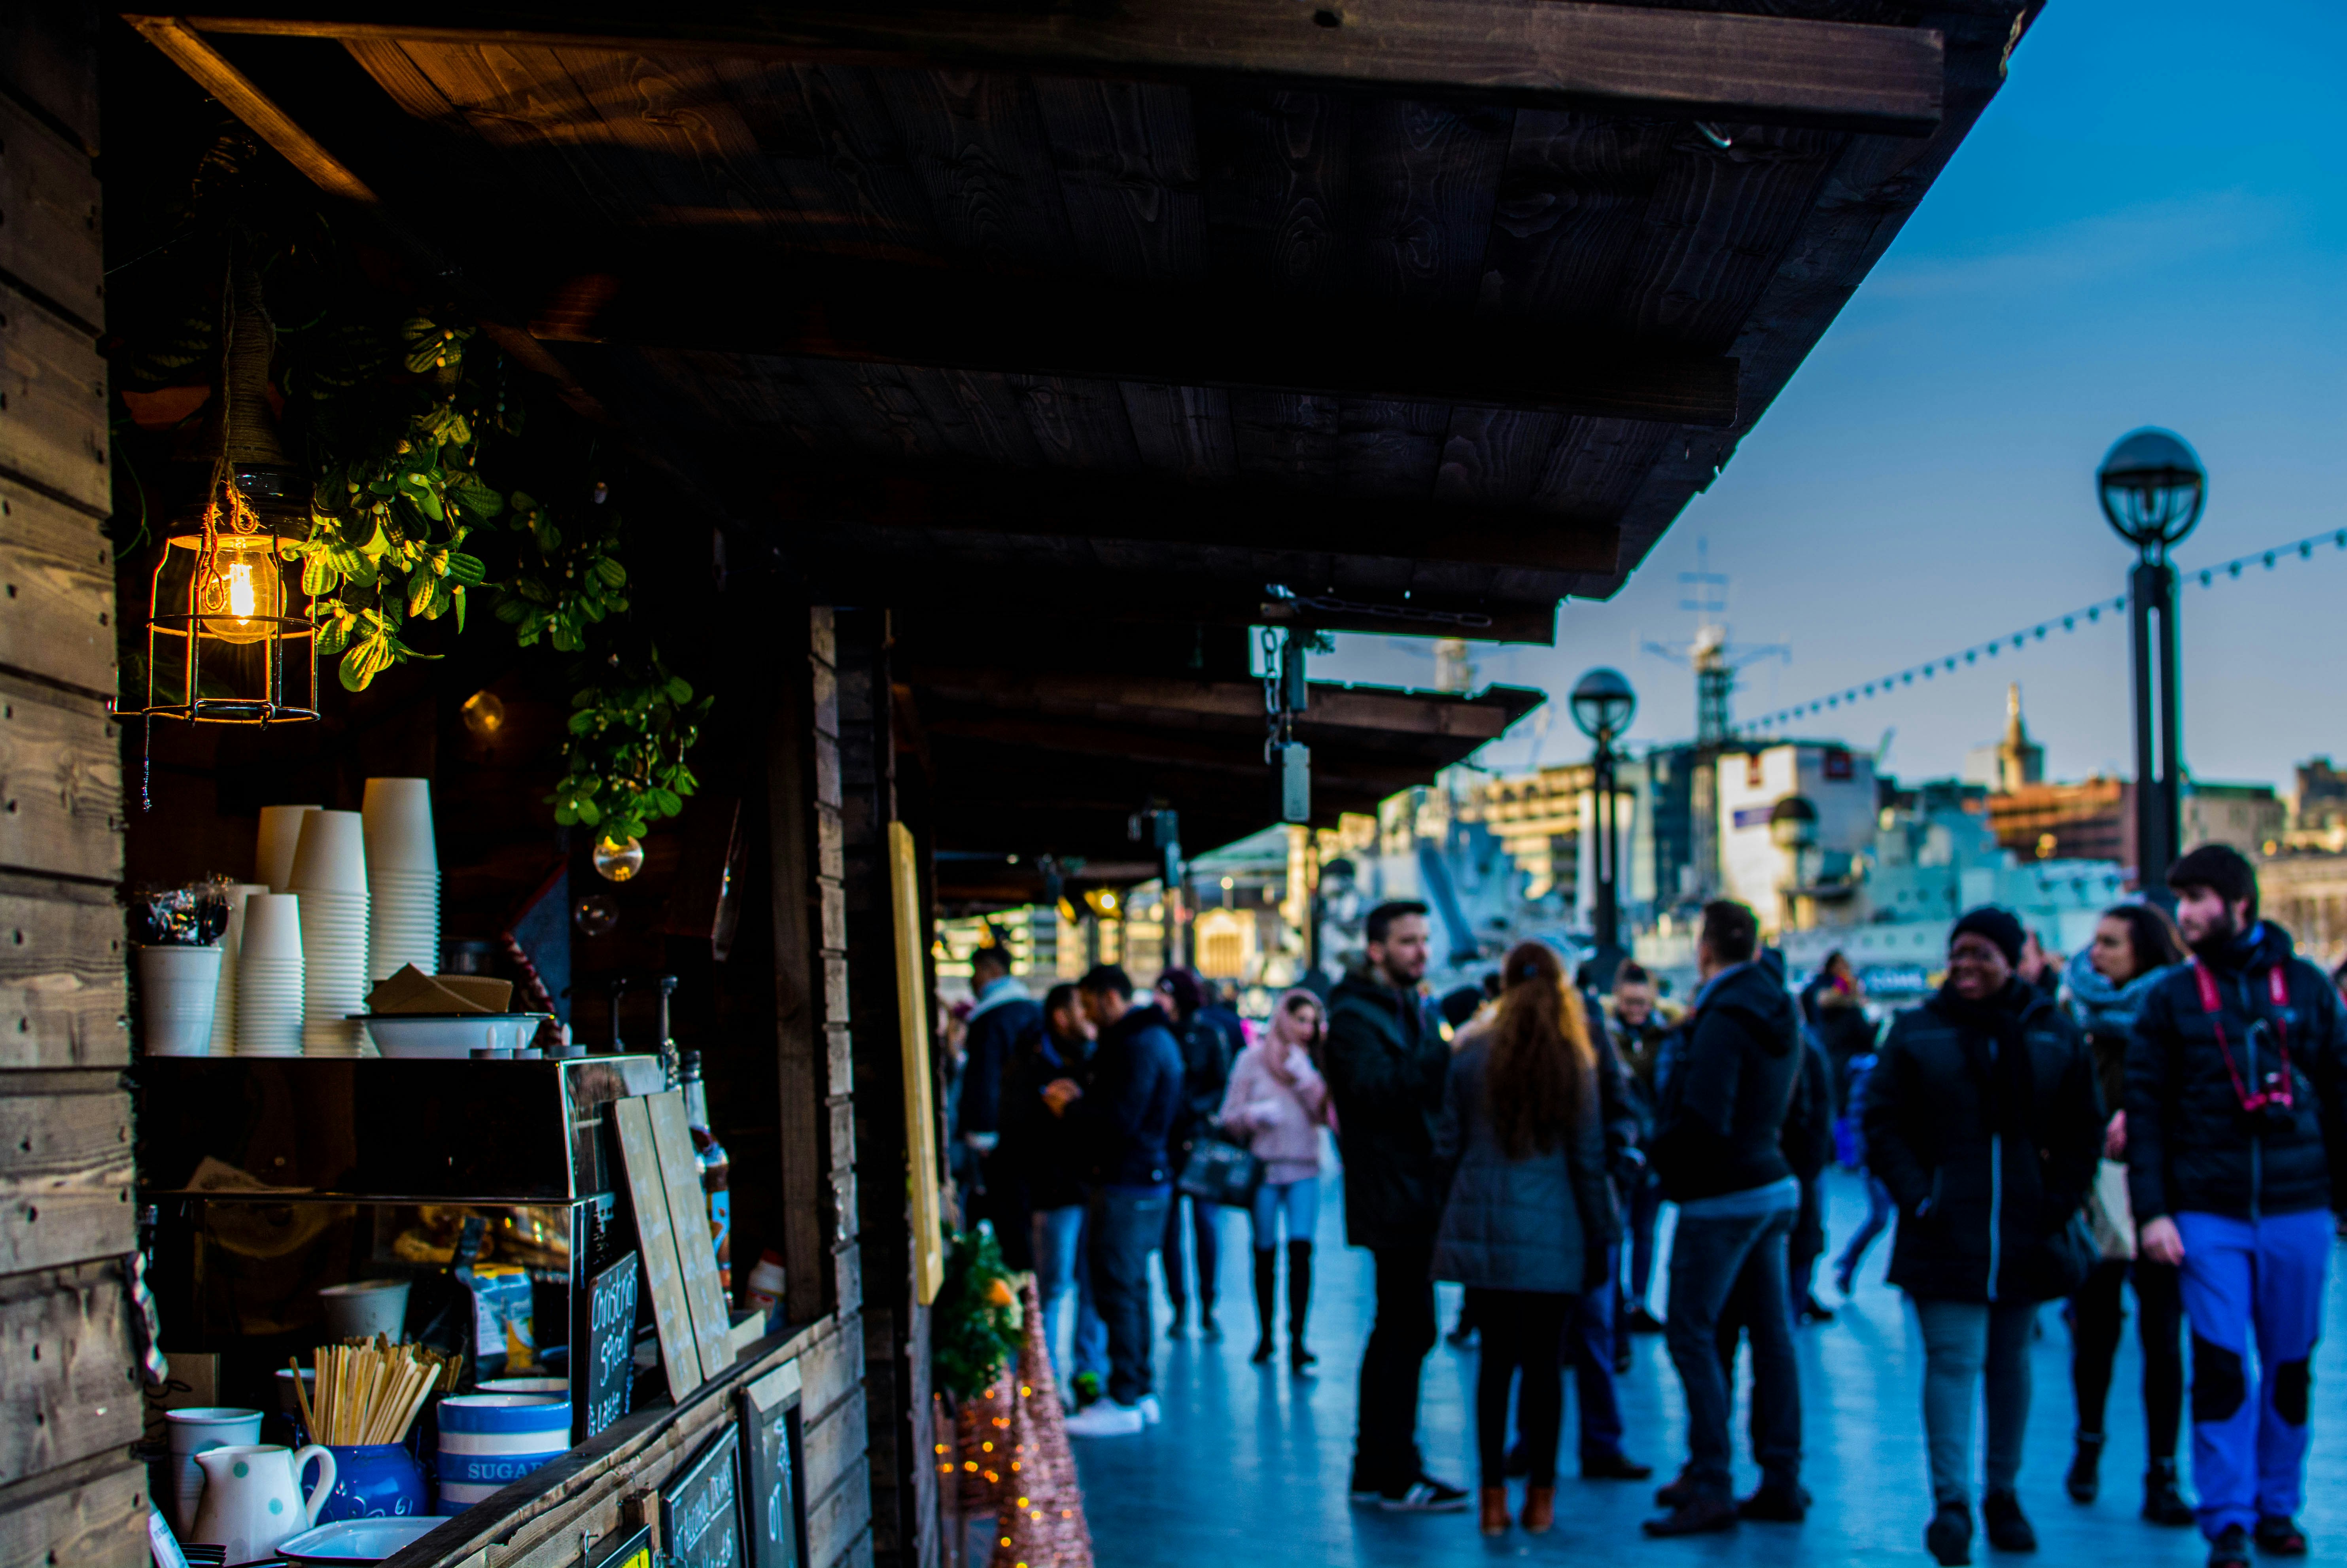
(1219, 1172)
(2109, 1213)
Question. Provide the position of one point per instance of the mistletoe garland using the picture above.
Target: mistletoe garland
(623, 756)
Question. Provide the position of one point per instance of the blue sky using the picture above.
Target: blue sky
(2147, 227)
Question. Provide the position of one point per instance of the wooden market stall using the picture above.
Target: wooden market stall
(976, 380)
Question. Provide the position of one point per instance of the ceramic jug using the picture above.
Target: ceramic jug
(253, 1498)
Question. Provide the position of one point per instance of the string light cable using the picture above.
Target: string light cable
(2092, 614)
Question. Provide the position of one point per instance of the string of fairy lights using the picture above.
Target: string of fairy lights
(2019, 641)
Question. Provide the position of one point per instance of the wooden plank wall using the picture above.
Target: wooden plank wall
(896, 1328)
(70, 1494)
(832, 1401)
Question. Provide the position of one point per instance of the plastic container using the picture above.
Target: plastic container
(178, 993)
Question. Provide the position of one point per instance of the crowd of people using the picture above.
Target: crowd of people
(2166, 1113)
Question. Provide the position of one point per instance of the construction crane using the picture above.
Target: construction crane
(1714, 659)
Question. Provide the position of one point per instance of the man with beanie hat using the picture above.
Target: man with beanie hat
(2237, 1146)
(2001, 926)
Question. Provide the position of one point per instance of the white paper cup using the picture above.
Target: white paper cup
(365, 1308)
(232, 950)
(332, 855)
(398, 815)
(272, 929)
(281, 831)
(178, 988)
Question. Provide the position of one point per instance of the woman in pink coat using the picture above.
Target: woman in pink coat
(1276, 1105)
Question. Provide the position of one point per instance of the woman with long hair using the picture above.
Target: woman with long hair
(2103, 989)
(1276, 1105)
(1530, 1216)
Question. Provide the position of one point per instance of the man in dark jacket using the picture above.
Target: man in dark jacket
(1724, 1092)
(2236, 1148)
(1387, 1061)
(1637, 1029)
(1003, 1011)
(1043, 1155)
(1206, 1057)
(1121, 1119)
(1984, 1122)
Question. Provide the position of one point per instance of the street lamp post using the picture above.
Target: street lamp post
(2152, 487)
(1601, 705)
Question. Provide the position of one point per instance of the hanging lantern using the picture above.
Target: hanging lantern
(229, 634)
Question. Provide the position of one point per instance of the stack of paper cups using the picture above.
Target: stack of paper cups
(224, 1005)
(280, 831)
(268, 976)
(403, 878)
(330, 879)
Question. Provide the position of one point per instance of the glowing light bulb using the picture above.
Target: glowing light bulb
(618, 861)
(239, 593)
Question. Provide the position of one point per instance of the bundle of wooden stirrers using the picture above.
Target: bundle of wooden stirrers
(369, 1391)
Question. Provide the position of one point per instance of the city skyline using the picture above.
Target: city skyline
(2146, 228)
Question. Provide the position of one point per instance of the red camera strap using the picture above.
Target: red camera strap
(2213, 1007)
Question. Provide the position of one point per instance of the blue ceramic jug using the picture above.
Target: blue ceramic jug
(376, 1481)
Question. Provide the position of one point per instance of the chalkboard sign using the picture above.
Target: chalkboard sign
(770, 1432)
(701, 1507)
(631, 1549)
(605, 1383)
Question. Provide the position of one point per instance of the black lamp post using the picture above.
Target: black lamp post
(2152, 487)
(1601, 704)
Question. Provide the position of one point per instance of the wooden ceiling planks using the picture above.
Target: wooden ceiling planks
(1614, 222)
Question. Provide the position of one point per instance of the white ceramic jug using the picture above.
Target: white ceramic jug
(253, 1498)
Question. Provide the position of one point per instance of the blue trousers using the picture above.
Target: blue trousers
(2248, 1421)
(1060, 1272)
(1589, 1347)
(1298, 1203)
(1123, 1226)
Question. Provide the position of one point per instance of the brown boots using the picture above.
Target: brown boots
(1539, 1510)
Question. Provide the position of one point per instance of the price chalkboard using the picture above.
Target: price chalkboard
(770, 1421)
(701, 1507)
(605, 1384)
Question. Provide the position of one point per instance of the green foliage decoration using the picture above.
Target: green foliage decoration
(975, 1326)
(623, 756)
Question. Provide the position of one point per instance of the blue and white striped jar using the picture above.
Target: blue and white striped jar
(488, 1441)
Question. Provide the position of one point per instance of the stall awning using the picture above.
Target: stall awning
(1029, 764)
(1427, 313)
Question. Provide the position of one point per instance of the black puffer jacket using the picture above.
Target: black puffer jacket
(1386, 1060)
(1725, 1086)
(2189, 1145)
(1986, 1124)
(1205, 1076)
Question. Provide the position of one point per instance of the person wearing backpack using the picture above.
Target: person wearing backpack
(1984, 1120)
(2236, 1151)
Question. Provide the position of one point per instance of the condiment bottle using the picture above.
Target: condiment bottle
(716, 1169)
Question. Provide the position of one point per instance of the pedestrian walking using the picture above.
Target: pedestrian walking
(2105, 990)
(1725, 1085)
(1529, 1218)
(1638, 1027)
(1122, 1118)
(1276, 1105)
(1878, 1205)
(1809, 1142)
(1206, 1054)
(2236, 1075)
(1042, 1154)
(1000, 1012)
(1386, 1065)
(1984, 1120)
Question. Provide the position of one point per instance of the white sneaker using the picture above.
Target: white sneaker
(1152, 1412)
(1106, 1418)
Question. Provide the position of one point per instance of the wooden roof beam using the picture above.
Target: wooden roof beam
(1063, 505)
(1116, 330)
(1540, 53)
(1476, 719)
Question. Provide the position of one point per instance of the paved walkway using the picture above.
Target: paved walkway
(1250, 1464)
